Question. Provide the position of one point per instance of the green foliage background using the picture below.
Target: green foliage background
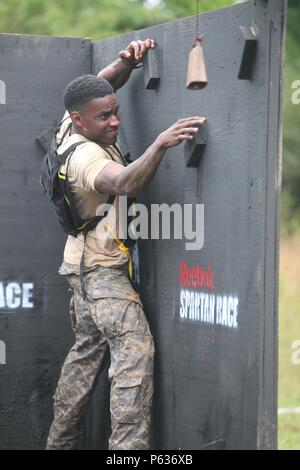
(99, 19)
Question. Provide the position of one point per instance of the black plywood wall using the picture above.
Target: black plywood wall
(33, 297)
(216, 341)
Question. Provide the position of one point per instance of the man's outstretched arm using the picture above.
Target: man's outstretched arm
(130, 180)
(118, 72)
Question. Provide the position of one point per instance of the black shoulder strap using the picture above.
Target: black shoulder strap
(119, 153)
(63, 156)
(109, 153)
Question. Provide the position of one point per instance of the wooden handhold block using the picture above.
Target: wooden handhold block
(194, 149)
(249, 34)
(151, 73)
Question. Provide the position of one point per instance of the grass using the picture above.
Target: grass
(289, 331)
(289, 432)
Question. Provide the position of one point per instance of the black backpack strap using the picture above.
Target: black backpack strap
(63, 156)
(109, 153)
(120, 154)
(95, 221)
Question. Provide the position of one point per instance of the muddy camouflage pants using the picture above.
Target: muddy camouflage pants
(116, 322)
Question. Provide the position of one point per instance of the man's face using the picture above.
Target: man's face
(99, 120)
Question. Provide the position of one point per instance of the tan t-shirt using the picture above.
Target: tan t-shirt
(85, 163)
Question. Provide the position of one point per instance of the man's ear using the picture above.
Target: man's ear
(77, 119)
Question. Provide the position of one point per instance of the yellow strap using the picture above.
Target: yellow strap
(122, 248)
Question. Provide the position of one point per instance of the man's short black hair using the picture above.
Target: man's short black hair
(83, 89)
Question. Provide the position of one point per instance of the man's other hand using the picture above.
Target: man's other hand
(135, 51)
(184, 129)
